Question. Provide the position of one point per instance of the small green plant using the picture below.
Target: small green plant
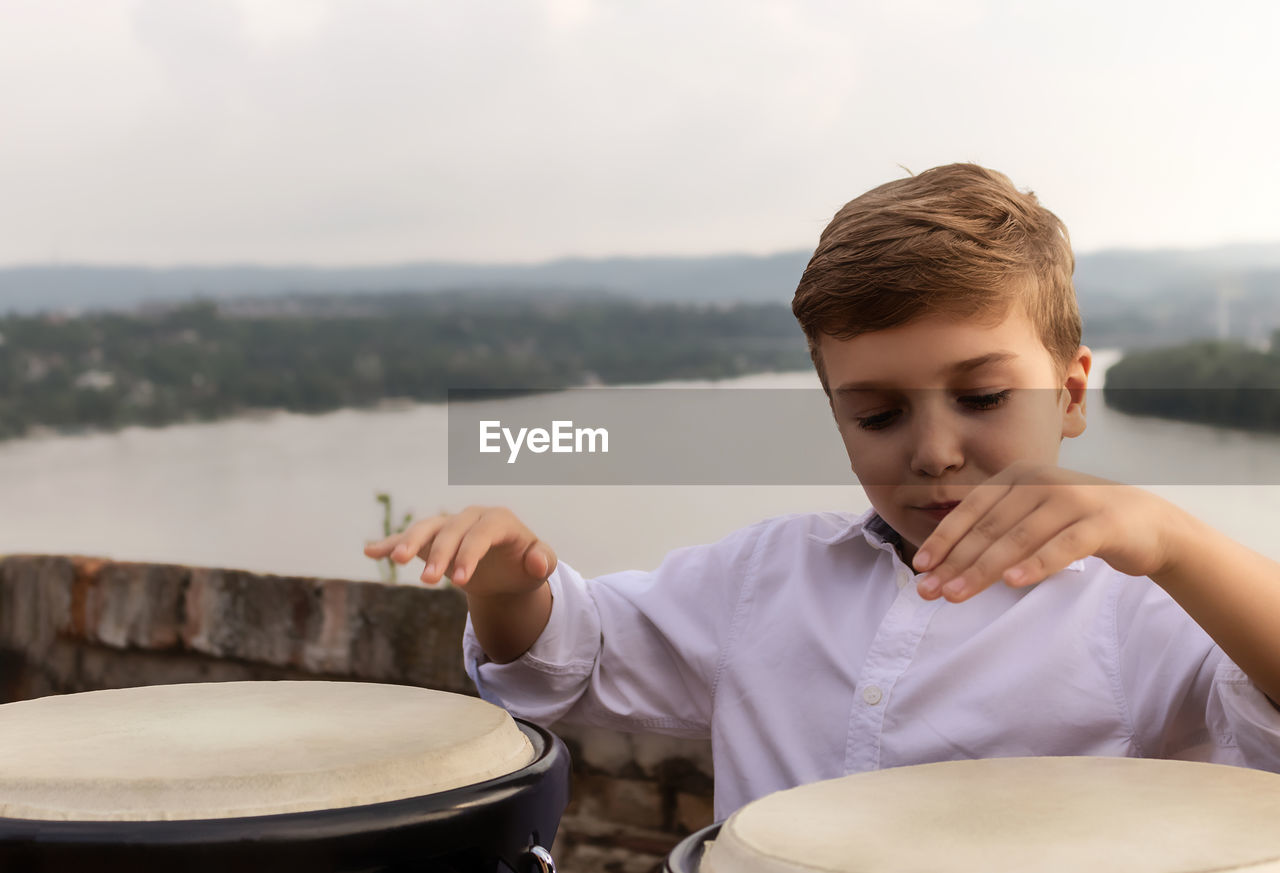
(386, 566)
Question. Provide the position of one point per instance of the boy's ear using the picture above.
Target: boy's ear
(1076, 384)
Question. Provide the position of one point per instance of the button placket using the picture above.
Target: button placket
(891, 651)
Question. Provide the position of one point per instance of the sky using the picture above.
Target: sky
(355, 132)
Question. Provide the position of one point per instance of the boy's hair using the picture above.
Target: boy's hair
(958, 240)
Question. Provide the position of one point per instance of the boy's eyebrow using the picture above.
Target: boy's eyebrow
(956, 368)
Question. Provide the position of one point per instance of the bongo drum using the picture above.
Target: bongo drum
(1005, 815)
(277, 775)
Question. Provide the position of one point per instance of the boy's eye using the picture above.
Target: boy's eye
(985, 401)
(882, 420)
(876, 422)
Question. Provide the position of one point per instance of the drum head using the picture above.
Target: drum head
(397, 732)
(1012, 815)
(227, 749)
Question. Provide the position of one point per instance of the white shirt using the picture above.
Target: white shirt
(800, 647)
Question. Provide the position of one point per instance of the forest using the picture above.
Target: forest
(201, 361)
(1224, 383)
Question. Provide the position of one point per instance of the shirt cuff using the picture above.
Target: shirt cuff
(547, 680)
(1240, 715)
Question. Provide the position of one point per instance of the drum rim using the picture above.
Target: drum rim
(686, 857)
(550, 754)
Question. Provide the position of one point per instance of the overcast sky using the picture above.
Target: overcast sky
(375, 131)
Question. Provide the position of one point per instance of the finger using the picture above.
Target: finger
(1013, 508)
(496, 526)
(439, 552)
(1075, 541)
(957, 522)
(1022, 539)
(388, 545)
(417, 538)
(473, 546)
(539, 560)
(381, 548)
(499, 528)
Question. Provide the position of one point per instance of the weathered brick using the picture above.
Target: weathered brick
(606, 859)
(601, 749)
(261, 618)
(655, 754)
(35, 599)
(633, 802)
(693, 812)
(14, 679)
(407, 634)
(138, 605)
(584, 837)
(329, 649)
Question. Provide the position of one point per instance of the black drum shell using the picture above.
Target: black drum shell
(686, 857)
(485, 827)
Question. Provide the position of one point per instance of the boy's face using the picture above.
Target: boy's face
(932, 408)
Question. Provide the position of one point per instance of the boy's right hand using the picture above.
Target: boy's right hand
(485, 550)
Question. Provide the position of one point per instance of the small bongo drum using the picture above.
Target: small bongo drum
(1005, 815)
(276, 776)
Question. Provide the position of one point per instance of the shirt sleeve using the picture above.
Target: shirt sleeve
(1186, 699)
(1242, 716)
(636, 651)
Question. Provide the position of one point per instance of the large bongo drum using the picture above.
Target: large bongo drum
(1005, 815)
(276, 776)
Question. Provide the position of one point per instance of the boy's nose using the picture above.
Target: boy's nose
(936, 447)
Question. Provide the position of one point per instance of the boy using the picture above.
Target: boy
(943, 325)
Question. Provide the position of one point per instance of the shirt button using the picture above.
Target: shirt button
(871, 694)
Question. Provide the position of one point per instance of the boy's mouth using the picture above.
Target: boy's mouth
(938, 511)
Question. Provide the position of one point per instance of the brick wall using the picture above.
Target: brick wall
(79, 624)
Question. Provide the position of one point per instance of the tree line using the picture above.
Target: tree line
(202, 361)
(1225, 383)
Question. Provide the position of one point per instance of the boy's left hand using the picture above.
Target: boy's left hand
(1029, 521)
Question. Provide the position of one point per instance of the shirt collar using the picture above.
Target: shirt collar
(869, 524)
(877, 532)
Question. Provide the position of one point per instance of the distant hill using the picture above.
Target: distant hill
(1140, 271)
(746, 278)
(1128, 297)
(1140, 299)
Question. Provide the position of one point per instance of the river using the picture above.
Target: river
(295, 494)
